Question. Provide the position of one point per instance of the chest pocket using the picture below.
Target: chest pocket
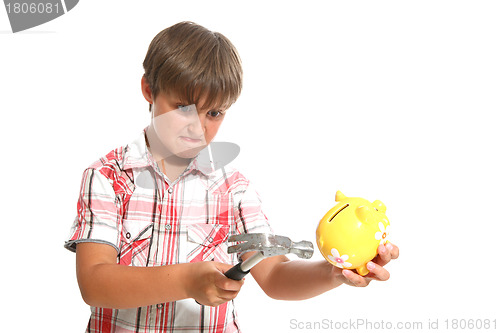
(137, 228)
(135, 242)
(139, 213)
(207, 242)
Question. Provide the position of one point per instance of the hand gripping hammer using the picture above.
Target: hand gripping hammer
(266, 245)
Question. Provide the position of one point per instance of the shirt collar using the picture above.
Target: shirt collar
(137, 154)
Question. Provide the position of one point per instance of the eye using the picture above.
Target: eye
(183, 108)
(215, 114)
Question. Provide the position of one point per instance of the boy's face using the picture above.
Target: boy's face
(184, 130)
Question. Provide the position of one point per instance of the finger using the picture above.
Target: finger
(394, 250)
(217, 297)
(355, 279)
(225, 283)
(378, 272)
(225, 295)
(384, 255)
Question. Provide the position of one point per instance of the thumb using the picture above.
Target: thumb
(225, 283)
(222, 267)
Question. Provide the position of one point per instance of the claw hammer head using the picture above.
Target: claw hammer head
(270, 245)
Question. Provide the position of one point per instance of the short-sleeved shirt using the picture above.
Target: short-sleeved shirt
(126, 202)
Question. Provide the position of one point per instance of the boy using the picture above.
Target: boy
(153, 217)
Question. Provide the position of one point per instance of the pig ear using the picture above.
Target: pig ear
(379, 205)
(363, 213)
(339, 196)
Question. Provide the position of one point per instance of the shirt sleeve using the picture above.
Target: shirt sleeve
(98, 219)
(248, 211)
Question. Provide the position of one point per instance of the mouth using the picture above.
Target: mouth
(191, 140)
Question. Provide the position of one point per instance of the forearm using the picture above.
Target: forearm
(116, 286)
(300, 279)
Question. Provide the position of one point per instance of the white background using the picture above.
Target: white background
(389, 100)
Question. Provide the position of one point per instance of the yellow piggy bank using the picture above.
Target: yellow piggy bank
(349, 234)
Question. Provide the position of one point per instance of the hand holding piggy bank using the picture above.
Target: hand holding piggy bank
(349, 234)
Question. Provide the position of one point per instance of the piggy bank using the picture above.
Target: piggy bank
(349, 234)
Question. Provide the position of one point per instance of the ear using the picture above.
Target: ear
(339, 196)
(146, 91)
(379, 205)
(363, 213)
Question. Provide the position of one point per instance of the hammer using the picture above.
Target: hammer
(267, 245)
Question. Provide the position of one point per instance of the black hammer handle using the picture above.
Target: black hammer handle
(236, 273)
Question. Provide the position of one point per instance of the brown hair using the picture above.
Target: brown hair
(194, 62)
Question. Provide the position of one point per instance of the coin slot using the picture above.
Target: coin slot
(341, 209)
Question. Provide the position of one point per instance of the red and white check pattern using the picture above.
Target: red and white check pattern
(126, 202)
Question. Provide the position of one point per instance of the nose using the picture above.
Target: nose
(196, 125)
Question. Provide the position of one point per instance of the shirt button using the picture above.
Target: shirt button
(210, 239)
(168, 227)
(160, 306)
(128, 235)
(170, 190)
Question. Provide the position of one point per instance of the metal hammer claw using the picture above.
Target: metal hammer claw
(266, 245)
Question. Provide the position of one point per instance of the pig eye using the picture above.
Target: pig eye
(341, 209)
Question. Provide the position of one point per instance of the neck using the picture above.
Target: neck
(170, 163)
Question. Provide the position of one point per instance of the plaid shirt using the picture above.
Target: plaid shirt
(127, 202)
